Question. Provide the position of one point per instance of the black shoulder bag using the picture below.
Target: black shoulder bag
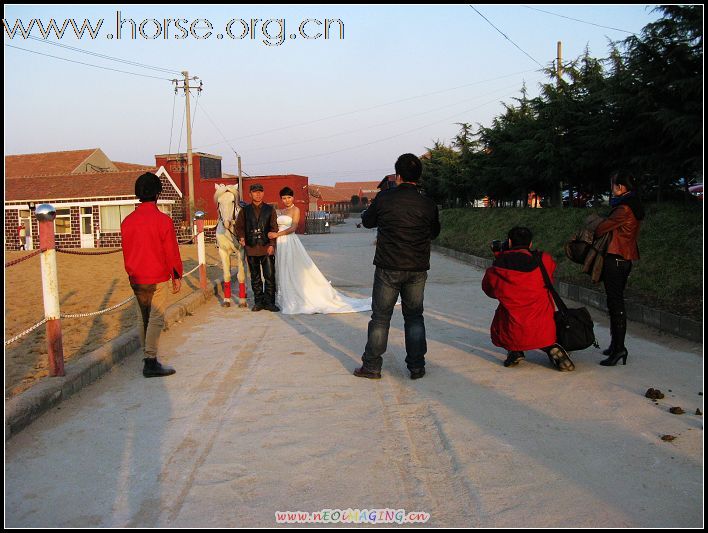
(574, 327)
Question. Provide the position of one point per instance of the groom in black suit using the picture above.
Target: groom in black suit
(253, 224)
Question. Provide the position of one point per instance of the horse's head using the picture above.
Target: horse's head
(226, 198)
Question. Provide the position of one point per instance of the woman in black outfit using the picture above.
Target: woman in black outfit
(623, 222)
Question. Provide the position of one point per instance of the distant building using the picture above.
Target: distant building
(363, 189)
(328, 198)
(207, 171)
(92, 195)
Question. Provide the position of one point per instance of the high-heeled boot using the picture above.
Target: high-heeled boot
(611, 348)
(618, 324)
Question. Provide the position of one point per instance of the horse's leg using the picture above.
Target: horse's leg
(226, 267)
(241, 279)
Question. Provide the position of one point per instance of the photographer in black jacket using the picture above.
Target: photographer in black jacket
(407, 222)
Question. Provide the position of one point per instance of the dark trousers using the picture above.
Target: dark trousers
(615, 272)
(262, 296)
(388, 284)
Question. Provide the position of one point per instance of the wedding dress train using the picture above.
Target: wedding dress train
(301, 287)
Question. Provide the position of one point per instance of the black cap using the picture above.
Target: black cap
(147, 187)
(255, 187)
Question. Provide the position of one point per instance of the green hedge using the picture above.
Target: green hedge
(668, 276)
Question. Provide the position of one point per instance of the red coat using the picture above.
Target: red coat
(150, 250)
(524, 318)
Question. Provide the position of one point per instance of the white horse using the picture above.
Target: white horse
(226, 198)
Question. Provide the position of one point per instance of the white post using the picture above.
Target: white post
(46, 214)
(201, 250)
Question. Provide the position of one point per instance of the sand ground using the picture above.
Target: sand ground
(264, 415)
(86, 284)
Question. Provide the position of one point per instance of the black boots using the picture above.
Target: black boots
(417, 373)
(153, 368)
(613, 359)
(364, 372)
(617, 350)
(513, 358)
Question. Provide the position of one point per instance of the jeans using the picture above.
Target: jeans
(267, 262)
(388, 284)
(150, 306)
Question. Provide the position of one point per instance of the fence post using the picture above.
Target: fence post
(46, 214)
(201, 252)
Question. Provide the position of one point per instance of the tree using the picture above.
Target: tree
(661, 82)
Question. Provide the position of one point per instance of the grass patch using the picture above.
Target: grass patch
(668, 276)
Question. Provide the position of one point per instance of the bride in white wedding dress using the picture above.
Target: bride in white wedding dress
(301, 287)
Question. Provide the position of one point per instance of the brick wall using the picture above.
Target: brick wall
(106, 240)
(12, 238)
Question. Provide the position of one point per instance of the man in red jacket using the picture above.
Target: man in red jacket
(151, 257)
(524, 318)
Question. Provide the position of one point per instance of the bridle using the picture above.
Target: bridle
(221, 219)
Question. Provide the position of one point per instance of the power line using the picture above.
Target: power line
(578, 20)
(505, 36)
(377, 140)
(88, 64)
(103, 56)
(338, 115)
(466, 100)
(181, 129)
(219, 130)
(196, 106)
(172, 124)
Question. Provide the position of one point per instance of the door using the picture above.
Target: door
(87, 227)
(26, 221)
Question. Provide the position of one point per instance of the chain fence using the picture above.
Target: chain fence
(78, 252)
(100, 312)
(80, 315)
(25, 332)
(25, 258)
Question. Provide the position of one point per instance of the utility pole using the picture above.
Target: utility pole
(240, 178)
(190, 168)
(557, 195)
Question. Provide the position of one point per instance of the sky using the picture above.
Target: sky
(386, 80)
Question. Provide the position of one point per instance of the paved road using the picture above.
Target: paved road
(264, 415)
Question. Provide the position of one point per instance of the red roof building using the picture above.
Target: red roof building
(90, 205)
(69, 162)
(206, 172)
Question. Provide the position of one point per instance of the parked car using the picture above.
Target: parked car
(696, 190)
(584, 199)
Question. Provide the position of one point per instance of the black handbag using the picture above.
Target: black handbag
(574, 327)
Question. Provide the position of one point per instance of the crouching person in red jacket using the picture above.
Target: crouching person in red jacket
(151, 257)
(524, 318)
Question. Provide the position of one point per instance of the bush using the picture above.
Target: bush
(668, 276)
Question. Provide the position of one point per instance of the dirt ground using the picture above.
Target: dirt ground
(86, 284)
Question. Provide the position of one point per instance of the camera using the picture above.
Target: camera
(500, 246)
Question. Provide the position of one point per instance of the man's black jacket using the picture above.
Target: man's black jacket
(407, 222)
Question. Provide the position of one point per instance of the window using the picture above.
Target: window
(62, 223)
(209, 168)
(165, 208)
(113, 215)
